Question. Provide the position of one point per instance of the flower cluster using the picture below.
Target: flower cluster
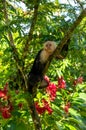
(5, 104)
(79, 80)
(61, 83)
(45, 107)
(3, 93)
(6, 111)
(51, 91)
(66, 107)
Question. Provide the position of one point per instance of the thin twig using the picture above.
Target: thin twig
(70, 32)
(12, 45)
(30, 34)
(79, 2)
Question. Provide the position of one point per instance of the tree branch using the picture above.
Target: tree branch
(69, 33)
(30, 100)
(58, 52)
(19, 63)
(66, 38)
(79, 2)
(33, 112)
(30, 34)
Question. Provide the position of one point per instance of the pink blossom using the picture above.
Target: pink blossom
(51, 91)
(45, 107)
(79, 80)
(66, 107)
(61, 83)
(6, 112)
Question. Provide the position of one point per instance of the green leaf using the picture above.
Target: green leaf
(10, 126)
(21, 126)
(71, 127)
(16, 125)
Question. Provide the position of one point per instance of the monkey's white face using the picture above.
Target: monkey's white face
(50, 46)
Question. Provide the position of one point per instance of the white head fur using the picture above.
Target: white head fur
(48, 49)
(50, 46)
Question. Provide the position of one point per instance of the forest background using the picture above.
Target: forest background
(23, 30)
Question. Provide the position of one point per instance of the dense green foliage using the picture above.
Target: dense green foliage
(53, 20)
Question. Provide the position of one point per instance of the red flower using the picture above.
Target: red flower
(11, 107)
(79, 80)
(51, 91)
(45, 107)
(6, 88)
(75, 82)
(5, 107)
(6, 113)
(3, 94)
(61, 83)
(39, 109)
(68, 104)
(49, 110)
(66, 107)
(20, 105)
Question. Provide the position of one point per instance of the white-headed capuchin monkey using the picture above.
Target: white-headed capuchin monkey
(36, 74)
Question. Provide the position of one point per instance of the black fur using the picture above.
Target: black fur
(36, 73)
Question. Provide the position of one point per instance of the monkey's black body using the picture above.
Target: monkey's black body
(36, 73)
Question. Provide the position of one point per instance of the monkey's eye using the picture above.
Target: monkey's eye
(46, 45)
(49, 44)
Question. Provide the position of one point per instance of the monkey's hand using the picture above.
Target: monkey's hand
(44, 83)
